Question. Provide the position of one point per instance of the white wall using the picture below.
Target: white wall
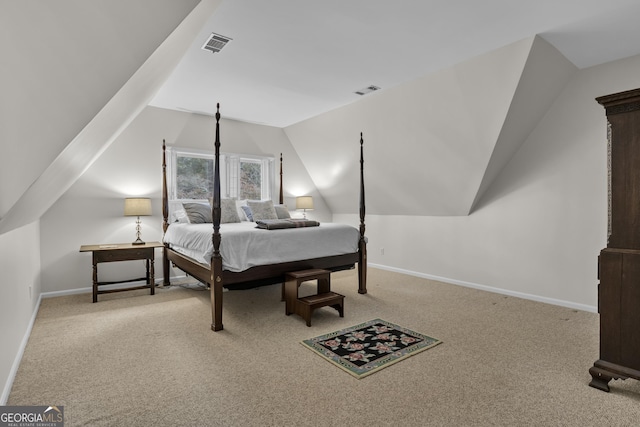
(91, 212)
(540, 227)
(19, 291)
(432, 139)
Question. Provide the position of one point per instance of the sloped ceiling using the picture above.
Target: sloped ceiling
(290, 60)
(545, 74)
(433, 145)
(79, 73)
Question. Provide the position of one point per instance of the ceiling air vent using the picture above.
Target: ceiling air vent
(215, 43)
(367, 90)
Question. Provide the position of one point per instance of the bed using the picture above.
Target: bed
(341, 247)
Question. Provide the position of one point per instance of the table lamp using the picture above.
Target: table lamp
(304, 203)
(136, 206)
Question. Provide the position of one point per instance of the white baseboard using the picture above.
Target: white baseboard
(89, 289)
(553, 301)
(16, 362)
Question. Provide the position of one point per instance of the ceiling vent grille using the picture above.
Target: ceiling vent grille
(367, 90)
(215, 43)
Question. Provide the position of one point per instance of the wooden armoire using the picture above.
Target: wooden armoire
(619, 262)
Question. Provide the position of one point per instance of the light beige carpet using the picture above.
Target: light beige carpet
(139, 360)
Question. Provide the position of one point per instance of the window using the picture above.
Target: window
(194, 177)
(191, 171)
(250, 179)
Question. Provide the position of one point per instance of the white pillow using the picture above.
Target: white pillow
(177, 213)
(282, 211)
(229, 212)
(241, 214)
(262, 210)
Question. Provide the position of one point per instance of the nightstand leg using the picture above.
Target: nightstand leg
(150, 278)
(95, 281)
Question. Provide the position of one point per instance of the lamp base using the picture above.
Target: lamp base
(138, 233)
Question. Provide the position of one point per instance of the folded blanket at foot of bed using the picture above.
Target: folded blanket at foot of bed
(278, 224)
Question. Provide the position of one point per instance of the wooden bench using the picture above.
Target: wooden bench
(304, 306)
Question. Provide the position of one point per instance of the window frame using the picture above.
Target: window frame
(229, 172)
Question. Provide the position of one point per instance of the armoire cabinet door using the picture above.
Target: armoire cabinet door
(619, 307)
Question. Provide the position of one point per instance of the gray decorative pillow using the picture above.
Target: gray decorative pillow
(198, 213)
(229, 211)
(247, 212)
(282, 212)
(262, 210)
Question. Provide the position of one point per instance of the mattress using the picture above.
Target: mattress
(243, 245)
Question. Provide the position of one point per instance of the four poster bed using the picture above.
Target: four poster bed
(218, 271)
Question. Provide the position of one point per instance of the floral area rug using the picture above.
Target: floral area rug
(366, 348)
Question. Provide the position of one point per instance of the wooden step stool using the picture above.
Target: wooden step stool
(304, 306)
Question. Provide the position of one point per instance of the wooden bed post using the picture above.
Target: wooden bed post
(362, 244)
(165, 216)
(281, 185)
(216, 282)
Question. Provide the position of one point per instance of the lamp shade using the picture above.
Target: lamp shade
(304, 202)
(137, 206)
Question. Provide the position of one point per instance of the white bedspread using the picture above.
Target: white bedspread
(244, 246)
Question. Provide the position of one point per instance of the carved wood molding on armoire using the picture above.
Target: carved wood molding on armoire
(619, 262)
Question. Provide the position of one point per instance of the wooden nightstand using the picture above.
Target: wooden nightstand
(122, 252)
